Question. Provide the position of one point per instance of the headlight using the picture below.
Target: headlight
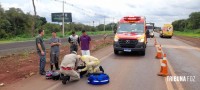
(116, 38)
(141, 40)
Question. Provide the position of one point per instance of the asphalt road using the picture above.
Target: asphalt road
(129, 71)
(27, 46)
(184, 59)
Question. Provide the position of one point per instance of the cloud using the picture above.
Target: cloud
(86, 11)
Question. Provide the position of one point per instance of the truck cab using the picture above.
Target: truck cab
(150, 29)
(130, 35)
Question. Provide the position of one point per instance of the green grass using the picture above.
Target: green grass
(16, 39)
(23, 38)
(189, 33)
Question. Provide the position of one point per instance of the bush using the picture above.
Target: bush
(3, 34)
(198, 31)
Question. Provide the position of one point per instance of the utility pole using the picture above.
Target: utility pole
(34, 18)
(93, 24)
(63, 21)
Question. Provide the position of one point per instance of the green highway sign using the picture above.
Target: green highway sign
(57, 17)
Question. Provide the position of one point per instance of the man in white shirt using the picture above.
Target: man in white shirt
(74, 41)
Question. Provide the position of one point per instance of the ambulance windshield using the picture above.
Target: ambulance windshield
(131, 27)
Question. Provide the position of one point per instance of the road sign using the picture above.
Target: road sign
(57, 17)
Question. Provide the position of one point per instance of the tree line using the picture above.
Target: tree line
(14, 22)
(192, 23)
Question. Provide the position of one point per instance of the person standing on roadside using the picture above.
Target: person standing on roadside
(55, 42)
(85, 43)
(41, 51)
(74, 41)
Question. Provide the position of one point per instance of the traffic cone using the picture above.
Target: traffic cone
(159, 53)
(155, 42)
(164, 67)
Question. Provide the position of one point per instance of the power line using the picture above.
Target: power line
(86, 12)
(81, 10)
(95, 14)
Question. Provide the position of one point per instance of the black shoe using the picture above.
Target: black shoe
(88, 75)
(64, 82)
(57, 68)
(61, 76)
(101, 69)
(65, 79)
(43, 73)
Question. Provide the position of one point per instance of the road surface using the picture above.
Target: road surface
(28, 46)
(129, 71)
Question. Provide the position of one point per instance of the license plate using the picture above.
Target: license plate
(127, 50)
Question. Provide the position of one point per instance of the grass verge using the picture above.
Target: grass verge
(190, 33)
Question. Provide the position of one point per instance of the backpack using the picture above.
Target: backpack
(49, 74)
(52, 75)
(98, 79)
(55, 75)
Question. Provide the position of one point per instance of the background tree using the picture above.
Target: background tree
(15, 23)
(192, 23)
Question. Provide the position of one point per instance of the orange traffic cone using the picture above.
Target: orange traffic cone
(164, 68)
(159, 53)
(155, 42)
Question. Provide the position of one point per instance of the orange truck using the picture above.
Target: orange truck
(130, 35)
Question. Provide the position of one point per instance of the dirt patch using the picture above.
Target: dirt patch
(189, 40)
(18, 67)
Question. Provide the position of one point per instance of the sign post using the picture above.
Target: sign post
(63, 20)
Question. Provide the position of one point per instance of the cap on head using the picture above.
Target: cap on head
(83, 57)
(74, 52)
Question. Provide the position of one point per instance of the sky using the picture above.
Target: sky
(85, 11)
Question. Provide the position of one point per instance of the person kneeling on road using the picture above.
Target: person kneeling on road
(68, 67)
(92, 65)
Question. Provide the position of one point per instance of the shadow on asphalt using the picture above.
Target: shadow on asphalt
(68, 83)
(166, 38)
(132, 54)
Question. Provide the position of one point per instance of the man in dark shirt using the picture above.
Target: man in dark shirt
(85, 43)
(41, 51)
(54, 42)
